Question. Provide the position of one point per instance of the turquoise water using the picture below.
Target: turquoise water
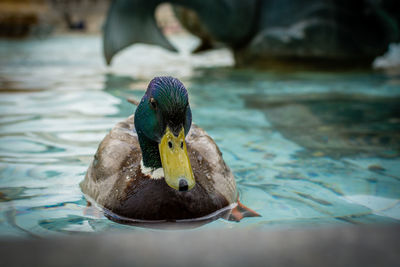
(307, 148)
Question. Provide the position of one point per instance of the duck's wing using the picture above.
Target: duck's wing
(118, 153)
(208, 166)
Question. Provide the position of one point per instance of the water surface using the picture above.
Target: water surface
(307, 148)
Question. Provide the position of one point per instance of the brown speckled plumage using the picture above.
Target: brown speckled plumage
(115, 181)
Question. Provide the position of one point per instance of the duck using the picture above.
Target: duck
(157, 166)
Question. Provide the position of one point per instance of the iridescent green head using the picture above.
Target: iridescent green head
(162, 120)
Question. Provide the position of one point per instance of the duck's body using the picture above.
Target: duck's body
(127, 178)
(115, 179)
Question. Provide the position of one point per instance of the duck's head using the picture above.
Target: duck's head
(162, 120)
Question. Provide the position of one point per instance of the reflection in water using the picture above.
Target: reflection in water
(307, 148)
(335, 125)
(224, 213)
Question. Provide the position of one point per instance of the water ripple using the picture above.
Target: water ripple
(306, 148)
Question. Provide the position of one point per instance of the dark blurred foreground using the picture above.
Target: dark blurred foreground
(347, 246)
(39, 18)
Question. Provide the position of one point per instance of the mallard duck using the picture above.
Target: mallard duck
(158, 166)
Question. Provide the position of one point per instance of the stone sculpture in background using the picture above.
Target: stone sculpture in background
(263, 32)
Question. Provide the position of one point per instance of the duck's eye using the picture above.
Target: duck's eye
(153, 103)
(182, 145)
(170, 144)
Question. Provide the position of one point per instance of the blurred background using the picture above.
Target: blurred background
(302, 97)
(41, 18)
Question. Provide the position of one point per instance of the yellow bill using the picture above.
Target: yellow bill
(175, 161)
